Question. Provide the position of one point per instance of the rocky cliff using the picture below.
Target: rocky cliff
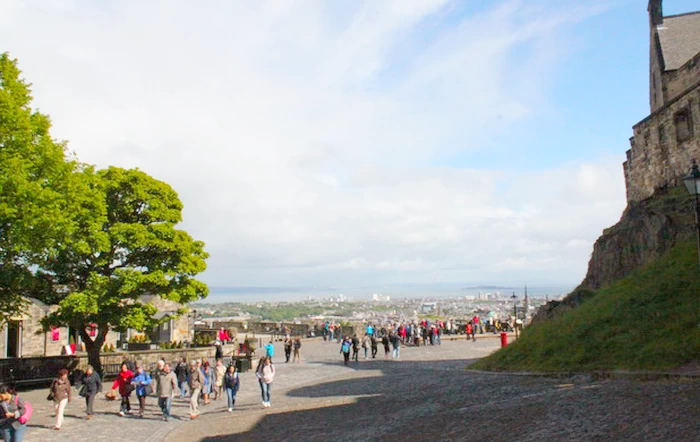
(647, 230)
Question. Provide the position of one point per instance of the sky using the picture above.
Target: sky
(328, 143)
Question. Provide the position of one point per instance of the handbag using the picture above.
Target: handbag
(148, 390)
(28, 410)
(51, 395)
(83, 390)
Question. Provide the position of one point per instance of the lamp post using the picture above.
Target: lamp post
(692, 183)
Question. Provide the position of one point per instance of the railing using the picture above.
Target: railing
(36, 370)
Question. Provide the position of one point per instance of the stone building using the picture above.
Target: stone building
(22, 336)
(177, 327)
(665, 143)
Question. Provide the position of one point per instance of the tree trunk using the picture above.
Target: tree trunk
(94, 348)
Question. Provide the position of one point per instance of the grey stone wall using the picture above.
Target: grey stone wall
(659, 156)
(678, 81)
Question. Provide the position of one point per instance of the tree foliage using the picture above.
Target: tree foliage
(35, 180)
(92, 241)
(126, 247)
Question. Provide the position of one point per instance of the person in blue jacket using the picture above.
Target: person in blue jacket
(269, 350)
(142, 381)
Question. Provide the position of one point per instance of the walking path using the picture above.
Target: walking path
(426, 395)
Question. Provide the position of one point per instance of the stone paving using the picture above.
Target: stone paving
(426, 395)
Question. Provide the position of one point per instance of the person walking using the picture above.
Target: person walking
(355, 348)
(166, 385)
(396, 344)
(366, 343)
(195, 382)
(142, 383)
(231, 383)
(220, 371)
(470, 332)
(297, 350)
(207, 375)
(287, 349)
(345, 349)
(181, 373)
(123, 383)
(12, 408)
(61, 392)
(385, 343)
(92, 384)
(269, 350)
(373, 344)
(265, 374)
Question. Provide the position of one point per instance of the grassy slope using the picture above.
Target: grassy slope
(647, 321)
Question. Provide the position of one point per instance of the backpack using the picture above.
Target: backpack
(28, 410)
(346, 347)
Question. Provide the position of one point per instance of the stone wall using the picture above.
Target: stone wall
(678, 81)
(663, 146)
(149, 357)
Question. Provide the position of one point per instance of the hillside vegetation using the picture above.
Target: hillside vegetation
(649, 320)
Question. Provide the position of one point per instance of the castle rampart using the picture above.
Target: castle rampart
(664, 144)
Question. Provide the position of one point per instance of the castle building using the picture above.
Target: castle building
(665, 143)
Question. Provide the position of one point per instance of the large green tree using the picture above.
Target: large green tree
(126, 246)
(37, 191)
(92, 242)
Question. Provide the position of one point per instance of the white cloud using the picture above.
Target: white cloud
(300, 135)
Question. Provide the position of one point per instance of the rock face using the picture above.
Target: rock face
(647, 230)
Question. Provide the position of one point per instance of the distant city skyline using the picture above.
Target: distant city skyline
(357, 143)
(396, 292)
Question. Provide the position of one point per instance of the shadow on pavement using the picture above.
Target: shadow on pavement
(400, 403)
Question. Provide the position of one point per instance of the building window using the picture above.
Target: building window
(683, 120)
(662, 134)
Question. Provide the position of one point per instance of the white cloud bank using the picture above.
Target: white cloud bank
(303, 136)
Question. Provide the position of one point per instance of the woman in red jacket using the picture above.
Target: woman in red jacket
(123, 381)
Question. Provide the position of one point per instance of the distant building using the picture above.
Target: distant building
(428, 307)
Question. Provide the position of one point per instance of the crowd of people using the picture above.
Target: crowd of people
(199, 379)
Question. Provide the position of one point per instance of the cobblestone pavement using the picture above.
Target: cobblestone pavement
(426, 395)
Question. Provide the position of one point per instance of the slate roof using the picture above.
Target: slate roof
(680, 39)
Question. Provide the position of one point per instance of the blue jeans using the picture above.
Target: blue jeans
(183, 386)
(395, 354)
(231, 395)
(165, 403)
(12, 435)
(265, 389)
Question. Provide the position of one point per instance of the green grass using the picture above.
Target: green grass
(649, 320)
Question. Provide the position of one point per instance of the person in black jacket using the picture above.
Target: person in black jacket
(355, 348)
(92, 385)
(181, 371)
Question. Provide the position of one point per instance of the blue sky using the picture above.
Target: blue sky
(357, 143)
